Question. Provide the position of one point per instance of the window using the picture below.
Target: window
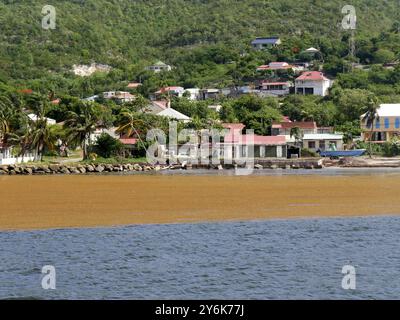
(322, 145)
(311, 144)
(397, 123)
(333, 145)
(387, 123)
(377, 124)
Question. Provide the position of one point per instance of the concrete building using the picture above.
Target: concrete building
(385, 127)
(313, 83)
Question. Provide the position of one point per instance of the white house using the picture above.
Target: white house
(323, 142)
(276, 88)
(173, 91)
(193, 93)
(265, 43)
(34, 118)
(216, 107)
(314, 83)
(159, 67)
(174, 115)
(121, 96)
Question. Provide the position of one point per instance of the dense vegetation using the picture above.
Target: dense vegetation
(207, 42)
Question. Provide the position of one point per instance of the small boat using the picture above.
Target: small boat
(342, 153)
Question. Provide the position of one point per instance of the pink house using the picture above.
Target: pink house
(239, 144)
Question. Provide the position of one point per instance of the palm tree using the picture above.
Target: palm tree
(295, 133)
(40, 133)
(369, 118)
(80, 124)
(8, 113)
(130, 124)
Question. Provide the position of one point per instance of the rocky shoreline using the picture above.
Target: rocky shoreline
(272, 164)
(39, 169)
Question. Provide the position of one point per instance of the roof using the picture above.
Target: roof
(34, 117)
(167, 89)
(297, 124)
(268, 40)
(312, 76)
(312, 49)
(276, 83)
(389, 110)
(173, 114)
(133, 85)
(163, 104)
(123, 95)
(323, 136)
(128, 141)
(275, 66)
(255, 139)
(160, 63)
(233, 126)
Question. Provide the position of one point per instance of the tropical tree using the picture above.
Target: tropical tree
(130, 124)
(8, 115)
(295, 133)
(82, 122)
(369, 118)
(40, 134)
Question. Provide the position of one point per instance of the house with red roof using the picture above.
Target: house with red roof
(276, 89)
(314, 83)
(239, 145)
(276, 66)
(168, 91)
(284, 127)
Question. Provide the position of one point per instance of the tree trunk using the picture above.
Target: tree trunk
(370, 141)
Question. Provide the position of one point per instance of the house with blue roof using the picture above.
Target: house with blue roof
(265, 43)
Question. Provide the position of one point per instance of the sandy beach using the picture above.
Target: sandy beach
(42, 202)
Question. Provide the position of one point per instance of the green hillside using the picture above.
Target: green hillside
(199, 37)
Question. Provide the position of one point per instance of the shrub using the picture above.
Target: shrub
(107, 146)
(391, 148)
(307, 153)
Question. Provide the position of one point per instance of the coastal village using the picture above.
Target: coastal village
(286, 138)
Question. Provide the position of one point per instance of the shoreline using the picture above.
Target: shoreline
(258, 165)
(42, 202)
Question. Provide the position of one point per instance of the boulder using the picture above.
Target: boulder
(109, 168)
(99, 169)
(90, 168)
(258, 167)
(64, 170)
(28, 171)
(74, 170)
(54, 167)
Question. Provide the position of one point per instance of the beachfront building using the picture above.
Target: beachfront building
(386, 125)
(323, 142)
(266, 43)
(239, 145)
(313, 83)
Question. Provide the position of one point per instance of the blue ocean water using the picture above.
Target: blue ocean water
(280, 259)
